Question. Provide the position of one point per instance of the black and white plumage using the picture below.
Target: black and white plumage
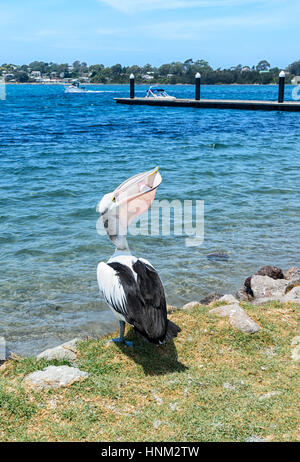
(130, 285)
(135, 293)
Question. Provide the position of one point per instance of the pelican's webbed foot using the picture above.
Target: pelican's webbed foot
(121, 338)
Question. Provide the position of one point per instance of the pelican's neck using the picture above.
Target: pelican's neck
(119, 252)
(121, 247)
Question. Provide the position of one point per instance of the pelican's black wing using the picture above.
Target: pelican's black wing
(145, 301)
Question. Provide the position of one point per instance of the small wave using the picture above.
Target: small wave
(32, 252)
(100, 125)
(55, 193)
(217, 256)
(82, 212)
(8, 238)
(266, 190)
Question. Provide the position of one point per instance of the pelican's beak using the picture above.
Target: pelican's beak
(136, 194)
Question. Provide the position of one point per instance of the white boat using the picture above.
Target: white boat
(75, 88)
(159, 93)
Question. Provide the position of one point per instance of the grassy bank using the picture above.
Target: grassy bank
(213, 384)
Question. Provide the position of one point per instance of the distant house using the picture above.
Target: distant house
(245, 69)
(147, 77)
(36, 75)
(8, 76)
(296, 80)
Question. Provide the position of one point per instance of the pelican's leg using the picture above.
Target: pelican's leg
(121, 338)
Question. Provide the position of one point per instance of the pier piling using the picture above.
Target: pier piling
(281, 87)
(131, 86)
(197, 86)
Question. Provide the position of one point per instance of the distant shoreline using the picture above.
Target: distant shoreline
(156, 83)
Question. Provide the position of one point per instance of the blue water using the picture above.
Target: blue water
(59, 153)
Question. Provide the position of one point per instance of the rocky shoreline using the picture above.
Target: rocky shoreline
(267, 284)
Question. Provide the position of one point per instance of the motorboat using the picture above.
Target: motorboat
(158, 93)
(75, 88)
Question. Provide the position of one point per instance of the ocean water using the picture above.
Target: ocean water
(59, 153)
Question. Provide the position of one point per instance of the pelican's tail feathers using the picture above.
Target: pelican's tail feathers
(172, 331)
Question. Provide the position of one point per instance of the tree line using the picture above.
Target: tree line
(171, 73)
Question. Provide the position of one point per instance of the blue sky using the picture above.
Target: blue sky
(224, 32)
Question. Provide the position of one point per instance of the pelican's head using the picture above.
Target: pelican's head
(130, 200)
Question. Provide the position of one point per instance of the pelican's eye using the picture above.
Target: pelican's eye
(114, 199)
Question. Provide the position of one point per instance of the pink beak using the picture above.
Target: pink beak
(136, 195)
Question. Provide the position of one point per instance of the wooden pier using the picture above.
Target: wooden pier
(289, 106)
(252, 105)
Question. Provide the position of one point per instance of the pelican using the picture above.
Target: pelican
(130, 285)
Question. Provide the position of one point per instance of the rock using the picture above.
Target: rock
(55, 377)
(226, 310)
(296, 354)
(269, 352)
(247, 282)
(272, 271)
(264, 286)
(292, 296)
(190, 305)
(2, 350)
(292, 284)
(228, 386)
(173, 406)
(212, 297)
(228, 298)
(238, 318)
(243, 295)
(217, 425)
(256, 439)
(157, 424)
(296, 349)
(292, 273)
(247, 286)
(268, 395)
(65, 351)
(158, 399)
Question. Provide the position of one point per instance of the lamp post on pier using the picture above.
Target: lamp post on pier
(131, 86)
(281, 87)
(197, 85)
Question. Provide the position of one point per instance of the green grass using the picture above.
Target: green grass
(208, 385)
